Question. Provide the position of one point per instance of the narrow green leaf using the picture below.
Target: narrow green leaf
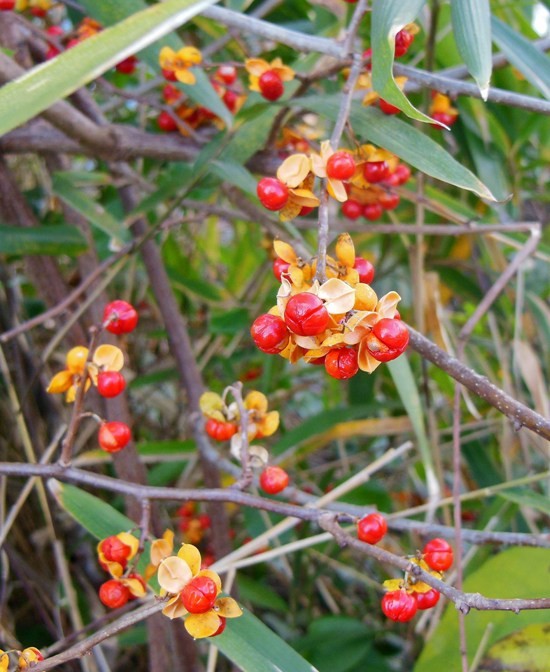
(525, 497)
(388, 18)
(234, 173)
(472, 32)
(402, 139)
(89, 208)
(533, 64)
(48, 240)
(47, 83)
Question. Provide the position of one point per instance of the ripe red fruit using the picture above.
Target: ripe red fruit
(388, 339)
(114, 436)
(387, 108)
(340, 165)
(273, 194)
(427, 600)
(273, 480)
(220, 431)
(372, 211)
(121, 317)
(306, 315)
(444, 118)
(271, 85)
(389, 200)
(376, 171)
(403, 173)
(227, 74)
(352, 209)
(438, 554)
(199, 595)
(399, 606)
(110, 383)
(221, 628)
(114, 594)
(365, 270)
(372, 528)
(279, 266)
(166, 122)
(230, 98)
(269, 333)
(115, 550)
(39, 12)
(341, 363)
(169, 75)
(403, 41)
(7, 5)
(171, 94)
(127, 66)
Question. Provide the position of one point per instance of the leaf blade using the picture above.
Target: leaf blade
(471, 21)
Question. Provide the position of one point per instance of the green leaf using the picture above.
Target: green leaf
(516, 573)
(260, 595)
(49, 240)
(47, 83)
(533, 64)
(388, 17)
(525, 497)
(525, 649)
(230, 321)
(403, 140)
(234, 173)
(472, 32)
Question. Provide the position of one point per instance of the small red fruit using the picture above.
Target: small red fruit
(110, 384)
(372, 211)
(399, 606)
(199, 595)
(7, 5)
(340, 165)
(427, 600)
(114, 436)
(166, 122)
(169, 75)
(227, 74)
(39, 12)
(444, 118)
(352, 209)
(365, 270)
(372, 528)
(121, 317)
(388, 339)
(306, 315)
(127, 66)
(269, 333)
(220, 431)
(376, 171)
(273, 480)
(403, 41)
(115, 550)
(438, 554)
(273, 193)
(387, 108)
(171, 94)
(114, 594)
(388, 200)
(403, 173)
(230, 98)
(341, 363)
(279, 266)
(271, 85)
(221, 628)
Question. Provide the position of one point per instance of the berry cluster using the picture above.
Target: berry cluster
(341, 323)
(114, 553)
(193, 524)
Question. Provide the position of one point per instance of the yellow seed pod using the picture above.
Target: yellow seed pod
(256, 401)
(365, 297)
(345, 249)
(76, 359)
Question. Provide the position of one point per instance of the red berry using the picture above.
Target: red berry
(114, 436)
(230, 98)
(166, 122)
(376, 171)
(271, 85)
(114, 594)
(121, 316)
(273, 480)
(352, 209)
(341, 363)
(438, 554)
(7, 5)
(110, 383)
(127, 66)
(273, 193)
(388, 339)
(39, 12)
(115, 550)
(387, 108)
(427, 600)
(205, 521)
(227, 74)
(199, 595)
(269, 333)
(365, 270)
(444, 118)
(279, 266)
(372, 211)
(372, 528)
(56, 31)
(306, 315)
(221, 628)
(399, 606)
(389, 200)
(403, 41)
(305, 211)
(169, 75)
(403, 173)
(340, 165)
(367, 56)
(171, 94)
(219, 430)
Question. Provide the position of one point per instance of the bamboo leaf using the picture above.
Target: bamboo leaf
(48, 240)
(388, 18)
(472, 32)
(47, 83)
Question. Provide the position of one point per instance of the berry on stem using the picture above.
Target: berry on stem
(271, 85)
(114, 594)
(399, 605)
(110, 384)
(7, 5)
(306, 315)
(376, 171)
(273, 193)
(352, 209)
(114, 436)
(273, 480)
(221, 628)
(219, 430)
(389, 200)
(279, 266)
(269, 333)
(121, 317)
(388, 339)
(387, 108)
(115, 550)
(403, 41)
(341, 363)
(372, 211)
(372, 528)
(199, 595)
(227, 74)
(438, 554)
(427, 600)
(341, 165)
(127, 66)
(166, 122)
(365, 270)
